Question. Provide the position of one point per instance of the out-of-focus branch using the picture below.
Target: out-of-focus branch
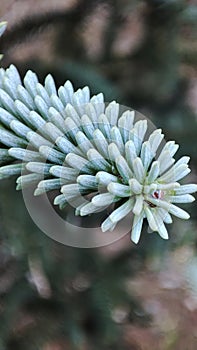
(33, 24)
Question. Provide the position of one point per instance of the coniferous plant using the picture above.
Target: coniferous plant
(101, 296)
(83, 148)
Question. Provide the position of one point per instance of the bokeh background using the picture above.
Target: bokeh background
(122, 297)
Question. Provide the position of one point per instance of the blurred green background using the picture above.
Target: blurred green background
(144, 55)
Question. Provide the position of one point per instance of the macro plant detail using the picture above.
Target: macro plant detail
(93, 154)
